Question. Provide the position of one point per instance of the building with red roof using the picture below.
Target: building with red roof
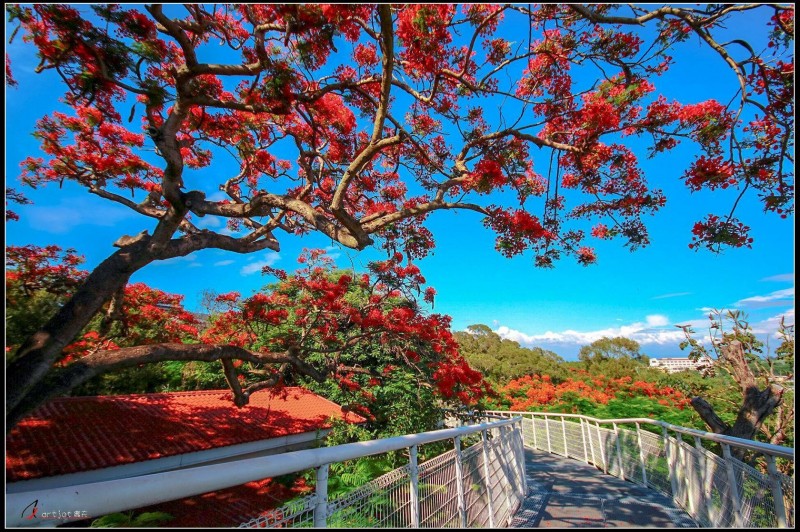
(78, 440)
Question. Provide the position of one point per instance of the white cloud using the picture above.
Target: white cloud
(224, 263)
(254, 267)
(217, 195)
(187, 260)
(332, 252)
(65, 217)
(644, 333)
(770, 325)
(208, 222)
(674, 294)
(784, 277)
(657, 320)
(773, 299)
(657, 335)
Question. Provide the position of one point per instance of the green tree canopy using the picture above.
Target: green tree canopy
(502, 360)
(610, 348)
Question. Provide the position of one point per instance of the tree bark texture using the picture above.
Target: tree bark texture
(757, 404)
(34, 359)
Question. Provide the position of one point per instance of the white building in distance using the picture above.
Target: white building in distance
(673, 365)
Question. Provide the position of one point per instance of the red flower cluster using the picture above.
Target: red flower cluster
(43, 268)
(533, 392)
(423, 30)
(711, 172)
(487, 176)
(321, 313)
(88, 343)
(600, 231)
(715, 232)
(101, 152)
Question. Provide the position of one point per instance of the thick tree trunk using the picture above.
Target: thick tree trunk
(32, 362)
(757, 404)
(36, 356)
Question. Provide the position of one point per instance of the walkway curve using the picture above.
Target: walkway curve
(565, 493)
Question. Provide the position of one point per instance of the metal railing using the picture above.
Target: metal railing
(716, 490)
(481, 485)
(478, 486)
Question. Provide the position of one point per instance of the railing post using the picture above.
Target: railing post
(619, 452)
(687, 470)
(564, 432)
(504, 465)
(462, 505)
(547, 431)
(641, 455)
(702, 475)
(487, 479)
(733, 485)
(673, 479)
(602, 449)
(414, 486)
(591, 442)
(583, 437)
(321, 505)
(714, 512)
(521, 459)
(533, 424)
(777, 491)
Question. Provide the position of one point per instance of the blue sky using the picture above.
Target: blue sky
(641, 295)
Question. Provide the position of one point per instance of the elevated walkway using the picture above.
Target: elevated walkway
(564, 493)
(531, 469)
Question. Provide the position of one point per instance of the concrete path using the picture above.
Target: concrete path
(565, 493)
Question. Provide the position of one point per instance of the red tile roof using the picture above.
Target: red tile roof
(73, 434)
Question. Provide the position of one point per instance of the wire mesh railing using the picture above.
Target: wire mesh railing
(715, 490)
(480, 485)
(481, 481)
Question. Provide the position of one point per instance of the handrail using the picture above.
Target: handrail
(767, 448)
(100, 498)
(715, 490)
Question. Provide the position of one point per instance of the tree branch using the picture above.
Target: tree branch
(707, 414)
(261, 205)
(389, 218)
(61, 381)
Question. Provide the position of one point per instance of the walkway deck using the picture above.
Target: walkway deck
(564, 493)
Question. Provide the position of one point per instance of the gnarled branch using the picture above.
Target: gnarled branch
(62, 380)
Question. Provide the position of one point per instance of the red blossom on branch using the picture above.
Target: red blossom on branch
(322, 314)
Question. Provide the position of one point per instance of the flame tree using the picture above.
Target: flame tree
(359, 122)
